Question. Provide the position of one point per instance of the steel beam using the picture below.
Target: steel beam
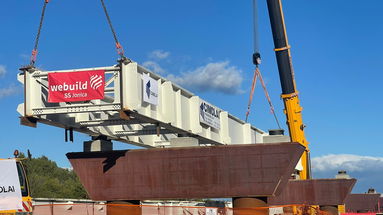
(108, 122)
(314, 192)
(361, 203)
(187, 172)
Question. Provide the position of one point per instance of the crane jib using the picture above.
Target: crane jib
(281, 47)
(293, 110)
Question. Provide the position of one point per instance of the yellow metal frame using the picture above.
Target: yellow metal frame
(293, 112)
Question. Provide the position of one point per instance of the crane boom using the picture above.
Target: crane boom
(293, 110)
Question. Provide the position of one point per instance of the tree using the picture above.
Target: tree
(47, 180)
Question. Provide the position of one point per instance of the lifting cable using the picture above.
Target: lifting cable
(257, 72)
(251, 93)
(120, 49)
(34, 51)
(255, 32)
(268, 97)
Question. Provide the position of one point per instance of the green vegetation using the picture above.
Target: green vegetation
(47, 180)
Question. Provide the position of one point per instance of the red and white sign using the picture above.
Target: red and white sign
(76, 86)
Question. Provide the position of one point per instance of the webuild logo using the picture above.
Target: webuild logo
(96, 81)
(76, 86)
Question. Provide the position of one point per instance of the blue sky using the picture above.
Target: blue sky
(335, 47)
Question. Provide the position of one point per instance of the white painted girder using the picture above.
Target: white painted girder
(123, 114)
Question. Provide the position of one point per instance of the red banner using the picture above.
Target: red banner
(76, 86)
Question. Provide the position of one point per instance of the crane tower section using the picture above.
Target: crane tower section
(128, 103)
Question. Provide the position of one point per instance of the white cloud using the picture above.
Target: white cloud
(367, 170)
(348, 162)
(154, 67)
(9, 91)
(2, 71)
(67, 168)
(159, 54)
(217, 76)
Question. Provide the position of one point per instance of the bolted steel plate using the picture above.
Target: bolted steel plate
(360, 203)
(192, 172)
(314, 192)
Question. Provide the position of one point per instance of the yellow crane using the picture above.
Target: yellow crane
(293, 109)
